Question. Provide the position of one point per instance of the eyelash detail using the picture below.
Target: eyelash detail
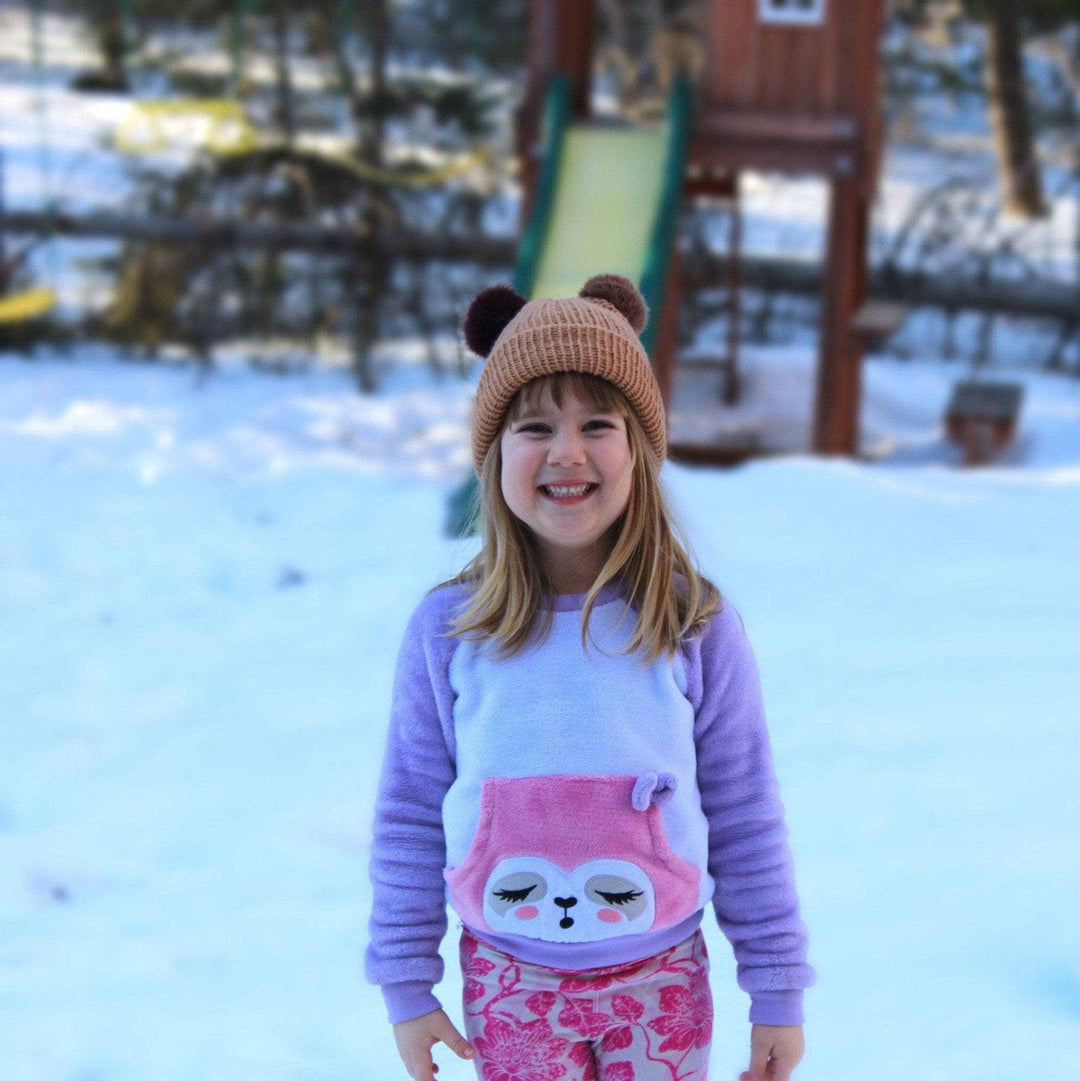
(620, 898)
(515, 897)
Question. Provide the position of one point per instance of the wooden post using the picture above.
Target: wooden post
(836, 406)
(732, 383)
(667, 337)
(559, 40)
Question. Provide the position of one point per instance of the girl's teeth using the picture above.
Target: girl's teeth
(563, 491)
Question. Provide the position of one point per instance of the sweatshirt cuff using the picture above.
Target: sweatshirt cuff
(404, 1001)
(776, 1007)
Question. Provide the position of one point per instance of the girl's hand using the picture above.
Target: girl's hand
(775, 1050)
(416, 1038)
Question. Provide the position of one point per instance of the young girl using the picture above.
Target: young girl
(577, 757)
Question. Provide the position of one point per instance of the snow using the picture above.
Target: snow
(203, 580)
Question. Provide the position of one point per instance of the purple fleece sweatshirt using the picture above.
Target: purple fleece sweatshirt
(579, 807)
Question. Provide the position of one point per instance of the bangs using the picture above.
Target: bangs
(595, 392)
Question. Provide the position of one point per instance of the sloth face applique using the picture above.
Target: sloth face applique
(599, 899)
(573, 858)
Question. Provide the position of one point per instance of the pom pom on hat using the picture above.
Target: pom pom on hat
(488, 316)
(620, 293)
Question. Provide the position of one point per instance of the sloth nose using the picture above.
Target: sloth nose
(566, 903)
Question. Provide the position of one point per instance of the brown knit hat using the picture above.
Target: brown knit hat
(595, 333)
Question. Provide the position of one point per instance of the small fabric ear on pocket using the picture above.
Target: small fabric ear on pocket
(653, 788)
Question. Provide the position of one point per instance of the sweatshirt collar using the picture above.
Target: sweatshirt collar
(575, 602)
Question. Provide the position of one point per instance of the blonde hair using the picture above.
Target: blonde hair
(648, 559)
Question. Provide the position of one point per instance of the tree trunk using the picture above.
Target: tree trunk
(1021, 182)
(371, 149)
(372, 273)
(113, 45)
(286, 117)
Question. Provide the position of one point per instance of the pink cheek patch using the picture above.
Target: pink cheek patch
(527, 912)
(609, 915)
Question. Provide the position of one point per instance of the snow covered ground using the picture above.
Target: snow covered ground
(202, 587)
(203, 580)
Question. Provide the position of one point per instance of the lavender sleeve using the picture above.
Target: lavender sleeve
(408, 852)
(749, 859)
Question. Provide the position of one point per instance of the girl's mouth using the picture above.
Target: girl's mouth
(566, 492)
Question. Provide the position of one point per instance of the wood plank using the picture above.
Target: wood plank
(720, 154)
(838, 15)
(776, 41)
(721, 454)
(734, 60)
(806, 72)
(779, 125)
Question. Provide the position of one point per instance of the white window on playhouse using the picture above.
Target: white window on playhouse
(802, 12)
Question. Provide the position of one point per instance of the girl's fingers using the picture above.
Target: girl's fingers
(422, 1071)
(759, 1061)
(417, 1037)
(454, 1040)
(418, 1061)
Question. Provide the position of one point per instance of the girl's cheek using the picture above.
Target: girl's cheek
(527, 912)
(609, 915)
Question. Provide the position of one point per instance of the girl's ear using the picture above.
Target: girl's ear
(488, 315)
(621, 294)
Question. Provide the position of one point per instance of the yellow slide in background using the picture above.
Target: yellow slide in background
(604, 210)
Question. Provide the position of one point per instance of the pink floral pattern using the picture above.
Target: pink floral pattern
(640, 1022)
(687, 1017)
(541, 1003)
(511, 1050)
(580, 1016)
(629, 1009)
(580, 1055)
(617, 1039)
(474, 969)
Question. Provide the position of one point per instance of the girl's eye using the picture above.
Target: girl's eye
(514, 897)
(599, 425)
(620, 898)
(535, 428)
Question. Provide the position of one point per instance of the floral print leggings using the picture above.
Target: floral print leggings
(649, 1020)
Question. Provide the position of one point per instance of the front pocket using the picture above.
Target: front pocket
(573, 858)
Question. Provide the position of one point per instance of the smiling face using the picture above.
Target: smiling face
(567, 472)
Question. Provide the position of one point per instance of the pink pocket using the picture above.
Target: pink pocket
(573, 859)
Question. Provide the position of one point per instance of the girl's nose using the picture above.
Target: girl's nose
(566, 448)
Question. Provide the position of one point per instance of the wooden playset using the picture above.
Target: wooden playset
(786, 85)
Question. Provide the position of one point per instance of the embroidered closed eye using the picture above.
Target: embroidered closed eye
(514, 897)
(507, 891)
(620, 894)
(624, 898)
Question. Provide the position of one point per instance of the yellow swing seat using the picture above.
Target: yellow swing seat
(28, 304)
